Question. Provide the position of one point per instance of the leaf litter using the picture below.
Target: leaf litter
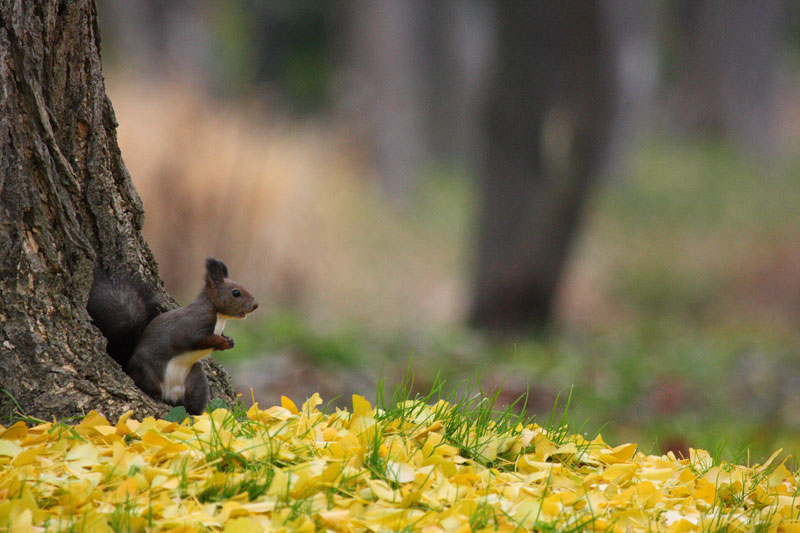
(415, 467)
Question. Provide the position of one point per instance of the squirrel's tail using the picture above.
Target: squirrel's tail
(121, 308)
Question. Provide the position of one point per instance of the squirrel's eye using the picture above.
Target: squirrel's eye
(237, 292)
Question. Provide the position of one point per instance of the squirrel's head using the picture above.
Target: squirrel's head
(228, 297)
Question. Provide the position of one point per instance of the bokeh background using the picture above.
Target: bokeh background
(599, 199)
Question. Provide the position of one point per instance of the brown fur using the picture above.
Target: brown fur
(187, 332)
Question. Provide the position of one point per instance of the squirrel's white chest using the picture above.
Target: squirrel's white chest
(173, 386)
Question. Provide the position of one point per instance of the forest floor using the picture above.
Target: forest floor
(408, 464)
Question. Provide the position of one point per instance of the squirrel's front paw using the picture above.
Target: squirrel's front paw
(228, 342)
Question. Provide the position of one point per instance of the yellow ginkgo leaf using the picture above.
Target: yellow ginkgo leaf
(335, 518)
(311, 404)
(399, 472)
(361, 406)
(9, 448)
(17, 431)
(242, 525)
(289, 405)
(619, 454)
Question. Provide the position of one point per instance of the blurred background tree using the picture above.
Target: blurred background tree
(547, 128)
(725, 70)
(621, 175)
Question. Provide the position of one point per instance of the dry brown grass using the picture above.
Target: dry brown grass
(286, 205)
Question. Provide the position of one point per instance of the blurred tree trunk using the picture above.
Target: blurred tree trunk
(459, 41)
(632, 30)
(726, 79)
(386, 59)
(547, 127)
(416, 73)
(67, 204)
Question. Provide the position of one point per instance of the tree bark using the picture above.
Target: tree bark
(547, 126)
(68, 204)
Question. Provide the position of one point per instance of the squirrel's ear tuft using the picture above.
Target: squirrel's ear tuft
(216, 271)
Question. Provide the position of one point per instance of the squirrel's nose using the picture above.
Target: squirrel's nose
(255, 306)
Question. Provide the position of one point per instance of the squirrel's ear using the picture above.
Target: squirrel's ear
(216, 271)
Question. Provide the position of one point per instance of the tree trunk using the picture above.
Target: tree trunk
(459, 40)
(727, 78)
(386, 60)
(547, 126)
(67, 204)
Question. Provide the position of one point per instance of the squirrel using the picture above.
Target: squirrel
(161, 352)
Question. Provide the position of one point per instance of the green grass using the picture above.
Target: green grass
(658, 384)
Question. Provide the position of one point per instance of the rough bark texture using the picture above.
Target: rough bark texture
(67, 203)
(547, 127)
